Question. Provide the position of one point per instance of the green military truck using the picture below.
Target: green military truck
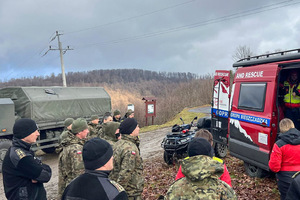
(48, 107)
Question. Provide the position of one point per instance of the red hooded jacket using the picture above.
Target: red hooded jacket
(285, 154)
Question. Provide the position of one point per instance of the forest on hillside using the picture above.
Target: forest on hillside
(173, 90)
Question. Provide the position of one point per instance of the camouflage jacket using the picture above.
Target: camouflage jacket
(100, 131)
(200, 181)
(62, 136)
(128, 165)
(70, 163)
(93, 130)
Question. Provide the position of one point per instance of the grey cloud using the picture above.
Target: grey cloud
(26, 28)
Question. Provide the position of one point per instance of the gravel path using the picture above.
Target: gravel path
(205, 109)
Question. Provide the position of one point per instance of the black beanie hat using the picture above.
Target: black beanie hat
(96, 153)
(199, 146)
(128, 125)
(24, 127)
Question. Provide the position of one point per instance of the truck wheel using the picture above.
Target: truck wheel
(254, 171)
(220, 150)
(46, 150)
(168, 158)
(4, 145)
(49, 150)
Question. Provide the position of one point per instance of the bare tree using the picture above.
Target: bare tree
(242, 52)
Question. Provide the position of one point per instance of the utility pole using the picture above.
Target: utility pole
(61, 53)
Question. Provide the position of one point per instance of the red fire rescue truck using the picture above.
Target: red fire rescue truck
(246, 119)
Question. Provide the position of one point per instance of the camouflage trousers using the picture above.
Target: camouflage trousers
(135, 198)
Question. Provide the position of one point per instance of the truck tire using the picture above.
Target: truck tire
(46, 150)
(221, 150)
(49, 150)
(4, 145)
(254, 171)
(168, 158)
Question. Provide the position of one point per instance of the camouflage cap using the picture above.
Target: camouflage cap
(93, 117)
(129, 112)
(117, 112)
(79, 125)
(68, 122)
(107, 114)
(110, 127)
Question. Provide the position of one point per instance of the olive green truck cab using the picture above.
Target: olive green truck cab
(48, 107)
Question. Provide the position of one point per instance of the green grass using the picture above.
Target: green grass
(184, 114)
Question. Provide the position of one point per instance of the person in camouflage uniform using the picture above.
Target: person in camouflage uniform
(117, 116)
(70, 163)
(111, 132)
(128, 114)
(94, 183)
(202, 173)
(68, 126)
(106, 118)
(128, 164)
(93, 126)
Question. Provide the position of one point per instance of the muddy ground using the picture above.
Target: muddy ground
(150, 148)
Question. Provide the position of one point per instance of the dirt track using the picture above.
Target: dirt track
(150, 147)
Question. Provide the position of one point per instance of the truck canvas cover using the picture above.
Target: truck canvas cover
(50, 106)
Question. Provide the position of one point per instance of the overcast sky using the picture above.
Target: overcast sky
(198, 36)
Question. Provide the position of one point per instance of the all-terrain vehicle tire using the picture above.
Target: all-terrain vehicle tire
(254, 171)
(168, 158)
(4, 145)
(221, 150)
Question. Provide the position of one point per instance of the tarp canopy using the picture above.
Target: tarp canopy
(52, 105)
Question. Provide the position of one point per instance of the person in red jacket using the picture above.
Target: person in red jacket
(285, 156)
(203, 133)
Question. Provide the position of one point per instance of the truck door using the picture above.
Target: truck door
(220, 111)
(252, 118)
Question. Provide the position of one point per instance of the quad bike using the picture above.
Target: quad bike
(176, 142)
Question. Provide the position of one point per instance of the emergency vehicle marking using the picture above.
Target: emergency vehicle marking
(221, 97)
(263, 138)
(257, 74)
(237, 124)
(222, 74)
(220, 113)
(250, 118)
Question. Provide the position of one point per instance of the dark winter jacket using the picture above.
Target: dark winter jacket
(19, 169)
(93, 185)
(116, 120)
(294, 189)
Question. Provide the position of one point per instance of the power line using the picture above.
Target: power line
(62, 52)
(133, 17)
(198, 24)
